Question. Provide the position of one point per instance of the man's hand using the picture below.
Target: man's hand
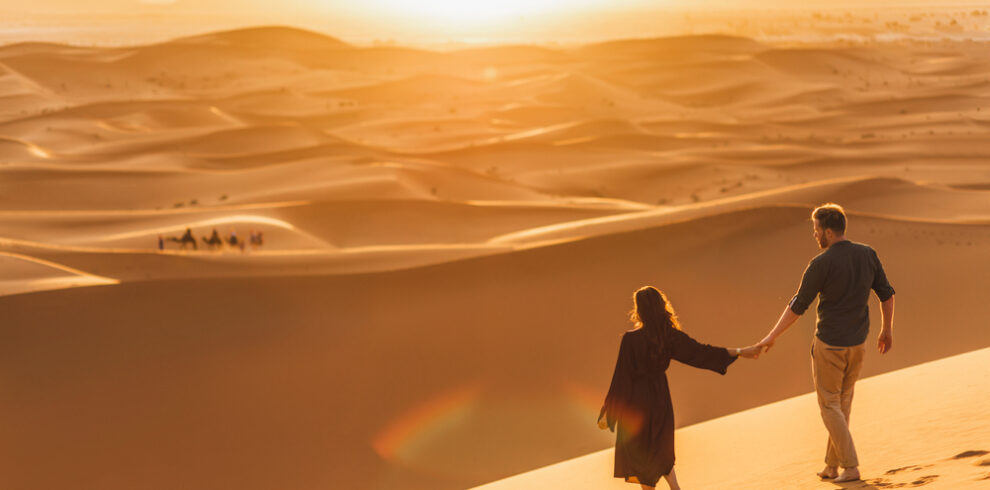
(766, 343)
(751, 352)
(885, 341)
(603, 422)
(787, 318)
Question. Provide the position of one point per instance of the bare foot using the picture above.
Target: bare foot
(849, 474)
(828, 473)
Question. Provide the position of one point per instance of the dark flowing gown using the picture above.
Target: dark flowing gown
(638, 406)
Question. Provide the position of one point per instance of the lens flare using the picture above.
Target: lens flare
(397, 441)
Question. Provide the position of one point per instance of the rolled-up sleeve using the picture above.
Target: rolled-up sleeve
(880, 284)
(811, 285)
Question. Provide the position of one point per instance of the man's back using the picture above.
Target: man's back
(843, 274)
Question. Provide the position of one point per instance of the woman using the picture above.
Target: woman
(638, 401)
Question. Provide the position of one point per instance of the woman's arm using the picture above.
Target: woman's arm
(703, 356)
(618, 389)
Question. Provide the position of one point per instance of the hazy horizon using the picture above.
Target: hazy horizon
(112, 23)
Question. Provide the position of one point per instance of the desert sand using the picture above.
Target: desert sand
(451, 241)
(919, 426)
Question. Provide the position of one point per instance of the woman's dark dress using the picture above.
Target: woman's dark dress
(638, 402)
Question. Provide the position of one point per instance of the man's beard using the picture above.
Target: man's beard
(823, 242)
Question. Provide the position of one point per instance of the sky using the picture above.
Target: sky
(402, 21)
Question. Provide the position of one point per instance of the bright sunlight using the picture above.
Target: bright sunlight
(454, 13)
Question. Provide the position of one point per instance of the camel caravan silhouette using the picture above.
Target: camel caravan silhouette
(214, 242)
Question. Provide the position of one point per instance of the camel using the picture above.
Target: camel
(214, 241)
(186, 239)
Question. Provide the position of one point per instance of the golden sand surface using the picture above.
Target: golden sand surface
(923, 426)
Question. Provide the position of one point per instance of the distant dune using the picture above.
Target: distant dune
(270, 38)
(449, 244)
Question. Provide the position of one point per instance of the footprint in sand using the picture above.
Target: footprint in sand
(879, 483)
(973, 454)
(970, 454)
(884, 483)
(923, 480)
(927, 479)
(907, 468)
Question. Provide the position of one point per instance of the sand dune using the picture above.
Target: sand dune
(937, 439)
(451, 239)
(534, 115)
(277, 103)
(382, 61)
(22, 150)
(16, 49)
(410, 135)
(699, 45)
(358, 222)
(414, 89)
(268, 38)
(827, 64)
(26, 274)
(885, 197)
(569, 303)
(509, 55)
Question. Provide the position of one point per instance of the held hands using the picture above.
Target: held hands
(766, 343)
(751, 352)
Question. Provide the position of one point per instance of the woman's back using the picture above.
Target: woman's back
(638, 405)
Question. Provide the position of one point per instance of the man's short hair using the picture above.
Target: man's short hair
(830, 216)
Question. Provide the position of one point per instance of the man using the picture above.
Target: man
(843, 276)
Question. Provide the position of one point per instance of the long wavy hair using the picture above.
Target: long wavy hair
(653, 312)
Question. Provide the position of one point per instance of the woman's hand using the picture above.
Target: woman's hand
(751, 352)
(603, 422)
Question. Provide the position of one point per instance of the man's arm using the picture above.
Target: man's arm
(811, 285)
(885, 294)
(787, 318)
(886, 340)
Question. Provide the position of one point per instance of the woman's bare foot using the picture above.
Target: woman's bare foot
(828, 473)
(848, 474)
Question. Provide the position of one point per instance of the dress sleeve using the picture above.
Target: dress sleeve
(880, 284)
(811, 285)
(621, 382)
(703, 356)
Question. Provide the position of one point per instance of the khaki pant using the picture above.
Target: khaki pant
(835, 370)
